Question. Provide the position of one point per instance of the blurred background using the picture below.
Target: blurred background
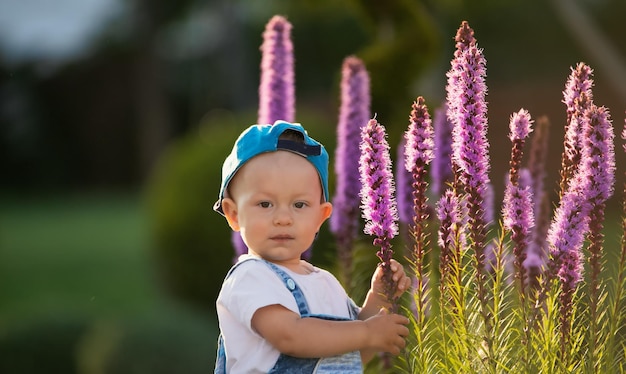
(115, 117)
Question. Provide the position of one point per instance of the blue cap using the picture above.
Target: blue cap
(258, 139)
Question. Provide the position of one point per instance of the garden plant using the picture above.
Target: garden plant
(522, 289)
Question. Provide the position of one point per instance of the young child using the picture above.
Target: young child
(278, 313)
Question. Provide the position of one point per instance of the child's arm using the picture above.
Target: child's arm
(314, 337)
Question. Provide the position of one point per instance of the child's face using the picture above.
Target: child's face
(276, 203)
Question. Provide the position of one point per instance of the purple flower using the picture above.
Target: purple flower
(519, 220)
(578, 82)
(599, 158)
(441, 168)
(377, 197)
(525, 179)
(464, 38)
(470, 146)
(520, 125)
(624, 135)
(238, 245)
(517, 212)
(277, 88)
(404, 187)
(419, 138)
(537, 170)
(418, 153)
(567, 231)
(534, 253)
(599, 153)
(353, 115)
(467, 111)
(577, 98)
(449, 217)
(448, 237)
(518, 206)
(488, 203)
(533, 262)
(569, 274)
(565, 236)
(377, 191)
(592, 185)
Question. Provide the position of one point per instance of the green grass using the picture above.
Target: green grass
(78, 292)
(85, 254)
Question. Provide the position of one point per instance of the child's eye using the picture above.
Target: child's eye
(300, 204)
(265, 204)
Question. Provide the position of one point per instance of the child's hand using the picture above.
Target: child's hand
(387, 332)
(401, 281)
(376, 299)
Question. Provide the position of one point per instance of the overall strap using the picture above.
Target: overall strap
(293, 287)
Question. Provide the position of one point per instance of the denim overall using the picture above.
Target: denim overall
(349, 363)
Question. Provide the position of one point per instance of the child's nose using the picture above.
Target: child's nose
(282, 216)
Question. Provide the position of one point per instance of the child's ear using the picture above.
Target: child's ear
(230, 212)
(327, 209)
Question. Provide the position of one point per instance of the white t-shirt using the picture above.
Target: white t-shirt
(253, 285)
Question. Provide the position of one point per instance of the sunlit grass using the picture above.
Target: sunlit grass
(85, 254)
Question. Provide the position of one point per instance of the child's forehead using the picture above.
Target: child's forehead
(279, 162)
(289, 162)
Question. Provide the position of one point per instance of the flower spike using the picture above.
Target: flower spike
(353, 115)
(277, 87)
(378, 203)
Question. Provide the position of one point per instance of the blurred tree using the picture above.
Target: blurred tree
(191, 242)
(404, 43)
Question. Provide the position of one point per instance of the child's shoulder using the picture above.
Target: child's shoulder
(250, 272)
(247, 262)
(248, 258)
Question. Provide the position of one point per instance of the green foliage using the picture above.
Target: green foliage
(70, 261)
(404, 42)
(89, 248)
(163, 342)
(46, 345)
(176, 343)
(192, 242)
(450, 337)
